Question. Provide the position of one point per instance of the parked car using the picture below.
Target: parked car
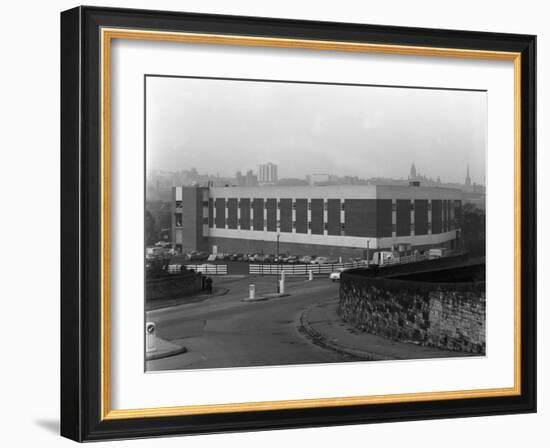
(306, 259)
(437, 252)
(236, 257)
(334, 276)
(197, 256)
(257, 258)
(292, 259)
(269, 258)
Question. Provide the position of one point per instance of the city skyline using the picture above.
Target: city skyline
(300, 128)
(243, 176)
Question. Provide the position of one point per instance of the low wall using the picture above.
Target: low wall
(446, 315)
(173, 286)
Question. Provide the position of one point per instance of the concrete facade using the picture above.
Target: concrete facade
(323, 220)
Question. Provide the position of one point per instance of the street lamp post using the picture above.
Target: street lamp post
(278, 264)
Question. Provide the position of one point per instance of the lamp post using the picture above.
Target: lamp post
(368, 253)
(278, 264)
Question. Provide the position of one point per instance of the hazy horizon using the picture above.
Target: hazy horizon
(225, 126)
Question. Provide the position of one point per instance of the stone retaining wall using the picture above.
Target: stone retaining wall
(449, 316)
(173, 286)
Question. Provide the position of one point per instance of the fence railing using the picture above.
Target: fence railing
(209, 269)
(290, 269)
(301, 269)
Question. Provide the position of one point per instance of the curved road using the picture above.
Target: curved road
(223, 331)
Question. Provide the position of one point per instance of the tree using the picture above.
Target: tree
(472, 225)
(151, 233)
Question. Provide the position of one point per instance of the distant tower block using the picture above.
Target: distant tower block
(267, 174)
(412, 174)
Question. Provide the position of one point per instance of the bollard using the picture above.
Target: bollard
(310, 275)
(151, 337)
(251, 291)
(283, 273)
(282, 286)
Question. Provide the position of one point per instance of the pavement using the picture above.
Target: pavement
(263, 297)
(165, 349)
(325, 328)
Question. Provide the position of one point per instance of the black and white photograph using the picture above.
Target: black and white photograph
(291, 223)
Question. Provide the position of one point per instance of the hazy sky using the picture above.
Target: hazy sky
(226, 126)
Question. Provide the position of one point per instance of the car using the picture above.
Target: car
(292, 259)
(198, 256)
(306, 259)
(236, 257)
(258, 258)
(334, 276)
(436, 252)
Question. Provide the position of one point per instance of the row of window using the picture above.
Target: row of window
(205, 220)
(309, 225)
(240, 204)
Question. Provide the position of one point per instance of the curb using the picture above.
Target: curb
(322, 341)
(159, 355)
(264, 298)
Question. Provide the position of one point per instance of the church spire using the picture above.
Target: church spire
(468, 181)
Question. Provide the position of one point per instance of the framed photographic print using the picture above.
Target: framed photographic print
(272, 223)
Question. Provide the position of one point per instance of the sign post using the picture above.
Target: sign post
(151, 337)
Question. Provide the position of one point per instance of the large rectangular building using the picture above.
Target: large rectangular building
(335, 220)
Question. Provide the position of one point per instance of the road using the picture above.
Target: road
(224, 331)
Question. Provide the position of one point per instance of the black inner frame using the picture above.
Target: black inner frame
(81, 221)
